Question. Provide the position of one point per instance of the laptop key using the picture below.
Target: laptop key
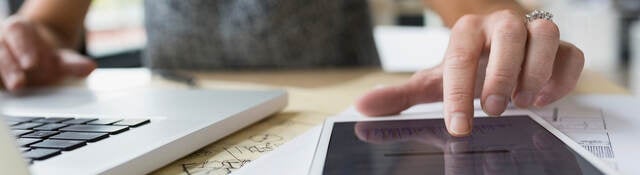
(103, 121)
(66, 145)
(25, 126)
(96, 128)
(41, 154)
(51, 127)
(24, 149)
(78, 121)
(53, 120)
(40, 134)
(18, 133)
(10, 123)
(86, 136)
(21, 119)
(132, 122)
(26, 141)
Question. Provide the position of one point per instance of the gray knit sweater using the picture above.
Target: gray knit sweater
(255, 34)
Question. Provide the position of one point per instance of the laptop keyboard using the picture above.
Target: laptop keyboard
(41, 138)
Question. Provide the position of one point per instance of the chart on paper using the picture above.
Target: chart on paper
(585, 126)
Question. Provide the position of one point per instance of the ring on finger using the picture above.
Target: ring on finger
(538, 14)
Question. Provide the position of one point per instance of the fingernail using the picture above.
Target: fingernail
(495, 104)
(459, 124)
(25, 61)
(524, 99)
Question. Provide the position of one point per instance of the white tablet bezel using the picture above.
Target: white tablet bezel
(317, 164)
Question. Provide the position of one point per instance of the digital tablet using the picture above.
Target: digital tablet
(519, 143)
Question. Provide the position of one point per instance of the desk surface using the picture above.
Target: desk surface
(314, 95)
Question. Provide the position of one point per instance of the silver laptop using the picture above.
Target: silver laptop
(78, 131)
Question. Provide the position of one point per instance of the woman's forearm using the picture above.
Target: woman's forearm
(451, 10)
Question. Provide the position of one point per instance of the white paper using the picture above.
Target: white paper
(611, 119)
(586, 126)
(293, 158)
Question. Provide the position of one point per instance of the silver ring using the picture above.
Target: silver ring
(538, 14)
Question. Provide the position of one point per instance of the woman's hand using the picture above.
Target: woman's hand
(497, 57)
(28, 57)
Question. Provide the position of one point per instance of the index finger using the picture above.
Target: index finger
(459, 74)
(23, 39)
(11, 75)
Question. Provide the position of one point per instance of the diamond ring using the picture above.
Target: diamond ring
(538, 14)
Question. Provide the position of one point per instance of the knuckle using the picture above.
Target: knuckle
(503, 78)
(458, 95)
(459, 60)
(545, 29)
(511, 30)
(426, 78)
(15, 25)
(566, 87)
(538, 77)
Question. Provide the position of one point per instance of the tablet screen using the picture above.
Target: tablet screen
(497, 145)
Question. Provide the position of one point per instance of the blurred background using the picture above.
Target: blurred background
(606, 30)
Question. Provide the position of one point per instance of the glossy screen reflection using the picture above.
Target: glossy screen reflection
(497, 145)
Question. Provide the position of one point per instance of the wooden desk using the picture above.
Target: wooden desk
(314, 95)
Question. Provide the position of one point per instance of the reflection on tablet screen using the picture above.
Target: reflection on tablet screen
(497, 145)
